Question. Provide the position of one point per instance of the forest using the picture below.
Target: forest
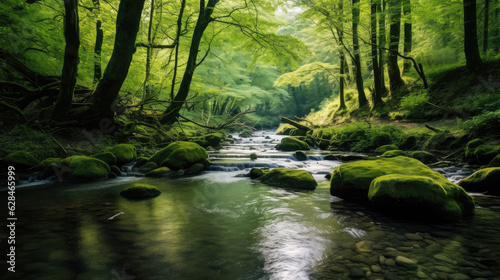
(251, 139)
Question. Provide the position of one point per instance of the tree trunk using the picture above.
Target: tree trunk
(70, 65)
(392, 59)
(177, 38)
(98, 43)
(204, 19)
(496, 30)
(382, 42)
(408, 35)
(470, 37)
(343, 62)
(377, 91)
(486, 25)
(149, 52)
(127, 25)
(362, 101)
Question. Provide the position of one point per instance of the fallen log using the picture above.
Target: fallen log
(295, 124)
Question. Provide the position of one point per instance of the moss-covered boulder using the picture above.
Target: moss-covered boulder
(214, 139)
(409, 142)
(160, 172)
(195, 169)
(423, 156)
(485, 180)
(141, 161)
(200, 141)
(180, 155)
(495, 162)
(115, 170)
(107, 157)
(284, 129)
(297, 132)
(49, 162)
(148, 167)
(292, 144)
(420, 197)
(441, 141)
(483, 154)
(289, 178)
(21, 160)
(257, 172)
(471, 147)
(300, 155)
(124, 153)
(382, 149)
(83, 168)
(352, 180)
(253, 156)
(140, 191)
(393, 153)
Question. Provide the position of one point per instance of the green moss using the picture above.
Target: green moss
(160, 172)
(297, 132)
(420, 197)
(214, 139)
(139, 191)
(382, 149)
(483, 154)
(85, 168)
(23, 138)
(50, 162)
(393, 153)
(257, 172)
(253, 156)
(300, 155)
(141, 161)
(423, 156)
(116, 170)
(289, 178)
(21, 160)
(440, 141)
(195, 169)
(484, 180)
(124, 153)
(107, 157)
(409, 142)
(494, 162)
(180, 155)
(202, 142)
(148, 167)
(284, 129)
(292, 144)
(246, 133)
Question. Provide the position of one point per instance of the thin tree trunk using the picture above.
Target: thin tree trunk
(392, 59)
(382, 42)
(104, 97)
(362, 101)
(149, 52)
(98, 43)
(204, 19)
(377, 91)
(496, 30)
(177, 38)
(486, 25)
(408, 35)
(70, 65)
(342, 58)
(471, 48)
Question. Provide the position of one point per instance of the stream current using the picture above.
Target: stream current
(218, 226)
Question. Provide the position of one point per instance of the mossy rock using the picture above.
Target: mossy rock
(483, 154)
(297, 132)
(246, 134)
(382, 149)
(180, 155)
(214, 139)
(253, 156)
(352, 180)
(423, 156)
(409, 143)
(141, 161)
(148, 167)
(160, 172)
(202, 142)
(195, 169)
(440, 141)
(284, 129)
(257, 172)
(420, 197)
(484, 180)
(393, 153)
(83, 168)
(124, 153)
(494, 162)
(21, 160)
(300, 155)
(292, 144)
(471, 147)
(107, 157)
(140, 191)
(50, 162)
(289, 178)
(115, 170)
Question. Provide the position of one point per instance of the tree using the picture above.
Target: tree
(377, 91)
(392, 60)
(70, 65)
(486, 25)
(343, 62)
(98, 43)
(472, 56)
(362, 101)
(408, 35)
(382, 42)
(104, 96)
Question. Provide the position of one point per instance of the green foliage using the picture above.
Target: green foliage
(22, 138)
(485, 123)
(415, 104)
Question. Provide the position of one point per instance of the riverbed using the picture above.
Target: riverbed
(220, 226)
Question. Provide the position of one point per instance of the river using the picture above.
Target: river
(218, 226)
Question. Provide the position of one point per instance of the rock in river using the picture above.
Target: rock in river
(289, 178)
(180, 155)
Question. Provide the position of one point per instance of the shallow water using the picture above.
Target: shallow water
(217, 226)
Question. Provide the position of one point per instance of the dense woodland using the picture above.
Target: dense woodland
(156, 63)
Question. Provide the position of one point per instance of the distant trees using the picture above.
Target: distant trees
(362, 101)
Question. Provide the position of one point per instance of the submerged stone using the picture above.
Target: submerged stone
(124, 153)
(484, 180)
(289, 178)
(148, 167)
(292, 144)
(139, 191)
(160, 172)
(300, 155)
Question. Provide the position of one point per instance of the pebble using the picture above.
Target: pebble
(414, 237)
(376, 268)
(381, 259)
(458, 276)
(356, 272)
(422, 275)
(365, 246)
(405, 262)
(442, 257)
(390, 262)
(393, 276)
(443, 269)
(479, 274)
(434, 247)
